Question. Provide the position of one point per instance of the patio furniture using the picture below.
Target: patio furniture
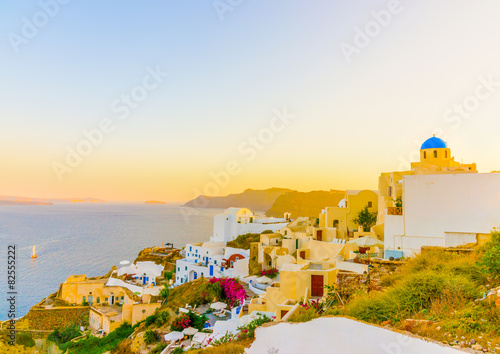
(264, 280)
(174, 336)
(190, 331)
(218, 306)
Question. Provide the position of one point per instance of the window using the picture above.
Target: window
(425, 154)
(179, 269)
(98, 300)
(389, 191)
(190, 249)
(83, 299)
(435, 153)
(445, 154)
(215, 262)
(236, 258)
(186, 268)
(369, 204)
(105, 299)
(335, 223)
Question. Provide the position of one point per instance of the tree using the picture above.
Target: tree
(164, 293)
(491, 258)
(366, 219)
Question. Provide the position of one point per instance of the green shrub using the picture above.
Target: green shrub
(162, 318)
(158, 349)
(150, 320)
(177, 351)
(94, 345)
(151, 337)
(376, 307)
(164, 293)
(25, 338)
(248, 331)
(304, 315)
(411, 295)
(168, 275)
(491, 257)
(61, 336)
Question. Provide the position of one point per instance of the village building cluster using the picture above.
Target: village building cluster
(438, 202)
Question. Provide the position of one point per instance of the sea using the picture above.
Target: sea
(85, 238)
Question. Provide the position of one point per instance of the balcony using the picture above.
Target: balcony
(394, 211)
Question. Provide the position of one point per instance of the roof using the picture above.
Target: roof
(434, 143)
(234, 210)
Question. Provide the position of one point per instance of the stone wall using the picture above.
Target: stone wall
(254, 267)
(58, 317)
(348, 283)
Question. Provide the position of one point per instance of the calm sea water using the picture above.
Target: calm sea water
(86, 239)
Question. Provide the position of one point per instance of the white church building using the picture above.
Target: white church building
(447, 207)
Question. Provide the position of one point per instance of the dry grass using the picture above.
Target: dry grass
(237, 347)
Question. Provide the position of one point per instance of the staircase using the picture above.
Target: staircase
(250, 295)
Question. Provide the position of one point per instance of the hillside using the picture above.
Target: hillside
(257, 200)
(305, 203)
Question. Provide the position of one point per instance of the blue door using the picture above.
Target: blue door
(211, 270)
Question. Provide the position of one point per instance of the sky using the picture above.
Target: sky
(164, 100)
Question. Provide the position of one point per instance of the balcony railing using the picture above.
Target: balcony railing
(394, 211)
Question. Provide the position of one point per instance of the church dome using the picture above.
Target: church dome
(434, 143)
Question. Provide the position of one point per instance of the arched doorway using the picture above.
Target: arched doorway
(268, 261)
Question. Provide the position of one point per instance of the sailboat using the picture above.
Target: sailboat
(34, 255)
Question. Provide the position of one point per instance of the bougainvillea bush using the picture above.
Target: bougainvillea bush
(270, 273)
(233, 293)
(190, 319)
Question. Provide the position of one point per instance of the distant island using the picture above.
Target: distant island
(274, 201)
(14, 200)
(154, 202)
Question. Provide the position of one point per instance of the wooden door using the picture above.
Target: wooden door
(303, 254)
(317, 285)
(319, 235)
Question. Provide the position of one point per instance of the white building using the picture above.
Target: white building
(444, 210)
(144, 273)
(210, 259)
(238, 221)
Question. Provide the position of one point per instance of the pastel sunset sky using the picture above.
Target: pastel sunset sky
(66, 69)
